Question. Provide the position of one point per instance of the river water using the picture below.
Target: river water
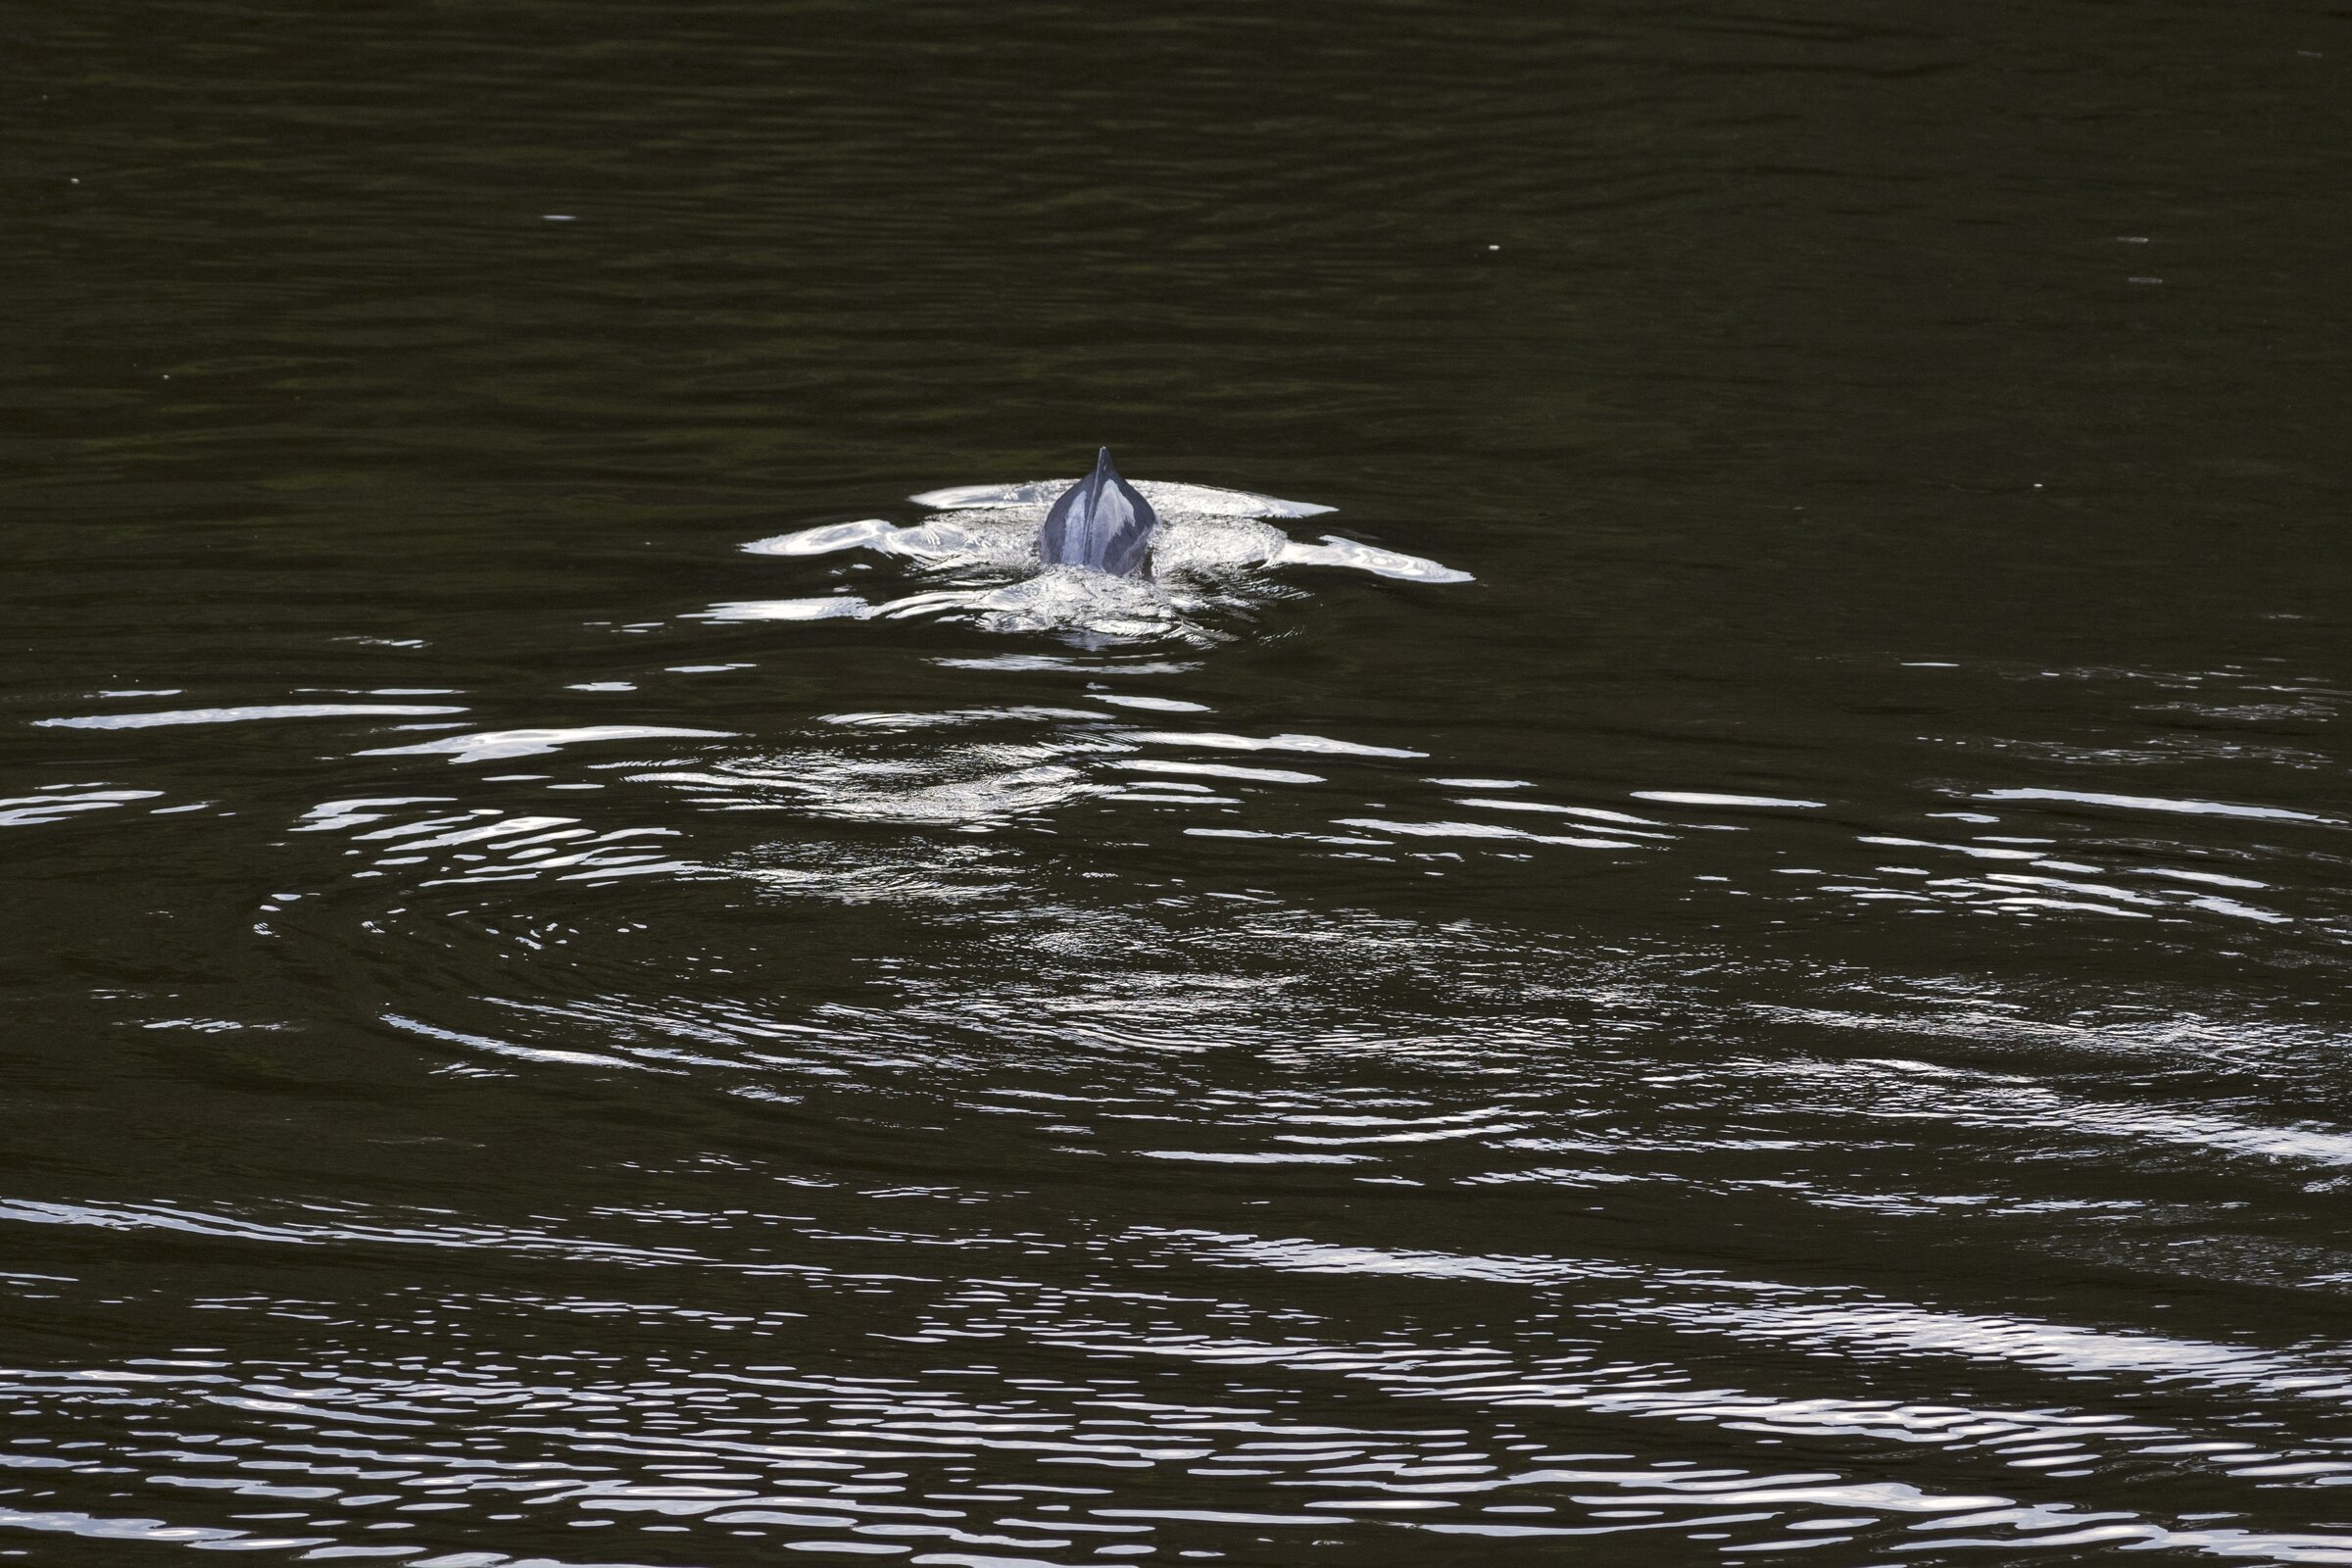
(1799, 1011)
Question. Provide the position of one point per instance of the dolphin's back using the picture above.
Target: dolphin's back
(1101, 521)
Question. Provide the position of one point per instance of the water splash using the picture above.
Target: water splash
(1208, 565)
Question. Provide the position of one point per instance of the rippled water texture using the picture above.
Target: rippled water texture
(1778, 989)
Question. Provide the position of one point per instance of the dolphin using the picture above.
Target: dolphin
(1101, 521)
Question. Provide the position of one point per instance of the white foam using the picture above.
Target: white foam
(1335, 551)
(1204, 553)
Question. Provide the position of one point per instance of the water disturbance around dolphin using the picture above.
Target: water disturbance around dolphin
(1099, 558)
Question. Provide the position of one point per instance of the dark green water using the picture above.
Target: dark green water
(1802, 1011)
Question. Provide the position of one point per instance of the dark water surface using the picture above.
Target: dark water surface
(1803, 1012)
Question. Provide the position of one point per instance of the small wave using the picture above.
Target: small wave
(247, 715)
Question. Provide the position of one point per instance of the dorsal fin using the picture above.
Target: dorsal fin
(1101, 521)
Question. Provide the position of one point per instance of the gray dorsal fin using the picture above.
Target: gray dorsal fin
(1101, 521)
